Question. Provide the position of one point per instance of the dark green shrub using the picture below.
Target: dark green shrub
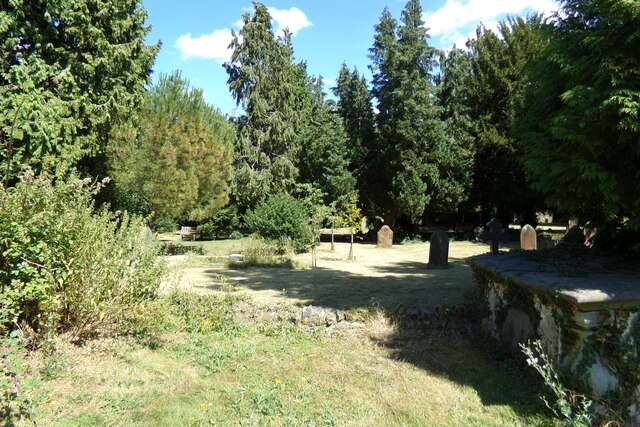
(235, 235)
(221, 224)
(282, 219)
(165, 224)
(64, 266)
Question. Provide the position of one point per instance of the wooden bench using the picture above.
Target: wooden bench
(189, 233)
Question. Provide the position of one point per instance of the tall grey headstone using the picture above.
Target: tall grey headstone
(528, 238)
(439, 250)
(385, 237)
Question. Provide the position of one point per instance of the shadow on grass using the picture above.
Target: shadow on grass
(461, 356)
(400, 283)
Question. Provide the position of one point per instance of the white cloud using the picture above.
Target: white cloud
(209, 46)
(451, 21)
(460, 41)
(329, 82)
(294, 19)
(216, 45)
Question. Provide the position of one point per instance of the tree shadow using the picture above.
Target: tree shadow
(451, 347)
(410, 283)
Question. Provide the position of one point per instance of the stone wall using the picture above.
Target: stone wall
(591, 332)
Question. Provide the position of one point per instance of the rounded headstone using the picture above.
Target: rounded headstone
(439, 250)
(528, 238)
(385, 237)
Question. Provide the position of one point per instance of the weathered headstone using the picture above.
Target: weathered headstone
(495, 234)
(439, 250)
(385, 237)
(146, 235)
(528, 238)
(574, 236)
(364, 225)
(236, 257)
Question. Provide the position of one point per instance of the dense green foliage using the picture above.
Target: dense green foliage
(178, 156)
(64, 266)
(354, 106)
(581, 121)
(496, 87)
(69, 71)
(282, 219)
(323, 160)
(224, 222)
(272, 91)
(413, 158)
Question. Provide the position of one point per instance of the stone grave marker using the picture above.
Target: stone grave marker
(439, 250)
(495, 234)
(575, 236)
(528, 238)
(385, 237)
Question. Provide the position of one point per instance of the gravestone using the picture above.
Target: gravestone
(385, 237)
(439, 250)
(495, 234)
(146, 236)
(574, 236)
(528, 238)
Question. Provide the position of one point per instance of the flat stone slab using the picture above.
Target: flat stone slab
(595, 290)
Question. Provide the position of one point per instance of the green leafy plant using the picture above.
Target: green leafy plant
(15, 402)
(571, 407)
(66, 266)
(222, 223)
(235, 235)
(165, 224)
(283, 220)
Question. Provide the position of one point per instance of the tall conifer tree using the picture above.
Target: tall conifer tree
(69, 71)
(324, 159)
(270, 88)
(413, 156)
(354, 106)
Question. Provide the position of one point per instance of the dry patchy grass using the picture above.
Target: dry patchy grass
(276, 374)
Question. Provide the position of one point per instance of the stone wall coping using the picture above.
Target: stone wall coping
(598, 290)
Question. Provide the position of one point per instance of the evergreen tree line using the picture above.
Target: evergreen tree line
(539, 114)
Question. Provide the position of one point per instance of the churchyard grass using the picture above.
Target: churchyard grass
(197, 362)
(275, 373)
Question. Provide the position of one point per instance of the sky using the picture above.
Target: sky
(195, 34)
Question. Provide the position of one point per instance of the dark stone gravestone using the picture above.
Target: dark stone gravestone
(574, 236)
(439, 250)
(528, 238)
(385, 237)
(495, 233)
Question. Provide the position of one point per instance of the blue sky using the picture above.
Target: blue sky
(195, 33)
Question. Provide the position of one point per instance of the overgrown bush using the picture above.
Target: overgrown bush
(64, 266)
(283, 220)
(235, 235)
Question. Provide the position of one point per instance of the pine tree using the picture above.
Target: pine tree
(354, 106)
(271, 90)
(581, 121)
(69, 71)
(178, 157)
(412, 154)
(323, 159)
(495, 93)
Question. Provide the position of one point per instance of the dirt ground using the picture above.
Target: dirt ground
(379, 276)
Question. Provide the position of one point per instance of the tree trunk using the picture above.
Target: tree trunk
(351, 247)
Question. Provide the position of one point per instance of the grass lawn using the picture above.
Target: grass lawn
(252, 370)
(276, 374)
